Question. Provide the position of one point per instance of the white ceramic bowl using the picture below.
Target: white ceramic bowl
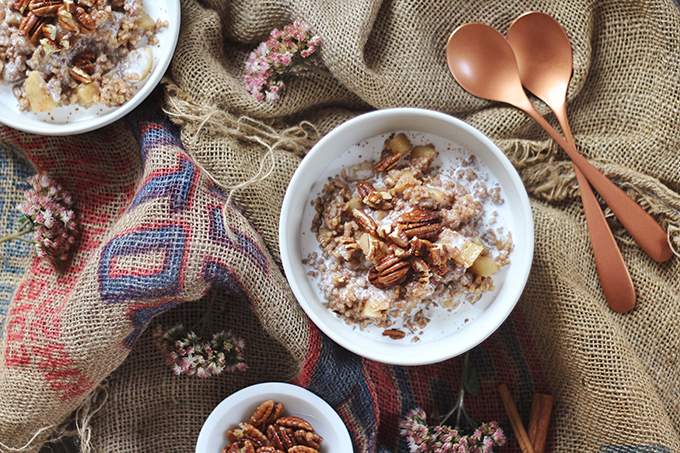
(75, 119)
(296, 401)
(449, 333)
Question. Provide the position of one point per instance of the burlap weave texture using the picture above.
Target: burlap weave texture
(615, 376)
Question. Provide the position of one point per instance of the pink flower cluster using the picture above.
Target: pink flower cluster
(187, 353)
(423, 438)
(272, 63)
(47, 211)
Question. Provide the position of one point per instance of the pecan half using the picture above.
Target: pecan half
(268, 449)
(420, 223)
(308, 438)
(85, 61)
(386, 162)
(302, 449)
(31, 26)
(392, 270)
(365, 221)
(266, 413)
(67, 21)
(87, 23)
(294, 422)
(44, 8)
(280, 437)
(394, 334)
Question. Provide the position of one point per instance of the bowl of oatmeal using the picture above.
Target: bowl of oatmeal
(72, 66)
(406, 236)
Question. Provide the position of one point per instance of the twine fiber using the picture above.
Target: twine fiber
(68, 342)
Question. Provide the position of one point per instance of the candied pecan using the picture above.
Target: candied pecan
(87, 3)
(44, 8)
(394, 334)
(308, 438)
(392, 270)
(266, 413)
(294, 422)
(269, 449)
(280, 437)
(302, 449)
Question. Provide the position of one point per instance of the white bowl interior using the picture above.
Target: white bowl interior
(74, 119)
(451, 333)
(296, 401)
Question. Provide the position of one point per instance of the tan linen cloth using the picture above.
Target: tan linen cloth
(615, 376)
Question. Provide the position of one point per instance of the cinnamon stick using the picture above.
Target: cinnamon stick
(539, 421)
(515, 420)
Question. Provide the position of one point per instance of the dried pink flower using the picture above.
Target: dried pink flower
(48, 212)
(188, 353)
(279, 59)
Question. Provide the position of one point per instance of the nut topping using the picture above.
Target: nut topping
(87, 23)
(266, 413)
(44, 8)
(394, 334)
(364, 221)
(420, 223)
(392, 270)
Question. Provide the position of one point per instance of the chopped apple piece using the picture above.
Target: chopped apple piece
(484, 266)
(374, 308)
(145, 21)
(36, 92)
(137, 65)
(86, 94)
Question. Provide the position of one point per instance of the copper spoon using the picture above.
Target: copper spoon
(544, 58)
(483, 63)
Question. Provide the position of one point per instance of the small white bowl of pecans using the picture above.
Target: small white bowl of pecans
(406, 236)
(72, 66)
(274, 417)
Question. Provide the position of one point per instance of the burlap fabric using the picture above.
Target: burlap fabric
(77, 358)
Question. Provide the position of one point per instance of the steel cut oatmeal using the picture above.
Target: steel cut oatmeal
(63, 52)
(402, 237)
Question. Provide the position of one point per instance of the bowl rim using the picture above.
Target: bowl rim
(288, 228)
(271, 388)
(169, 39)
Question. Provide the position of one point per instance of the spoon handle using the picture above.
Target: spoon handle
(617, 284)
(641, 226)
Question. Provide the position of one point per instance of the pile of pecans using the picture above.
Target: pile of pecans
(268, 431)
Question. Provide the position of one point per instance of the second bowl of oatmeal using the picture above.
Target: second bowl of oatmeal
(406, 236)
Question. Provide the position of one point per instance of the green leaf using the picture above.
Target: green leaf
(470, 380)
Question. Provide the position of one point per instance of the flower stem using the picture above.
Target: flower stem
(315, 69)
(18, 234)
